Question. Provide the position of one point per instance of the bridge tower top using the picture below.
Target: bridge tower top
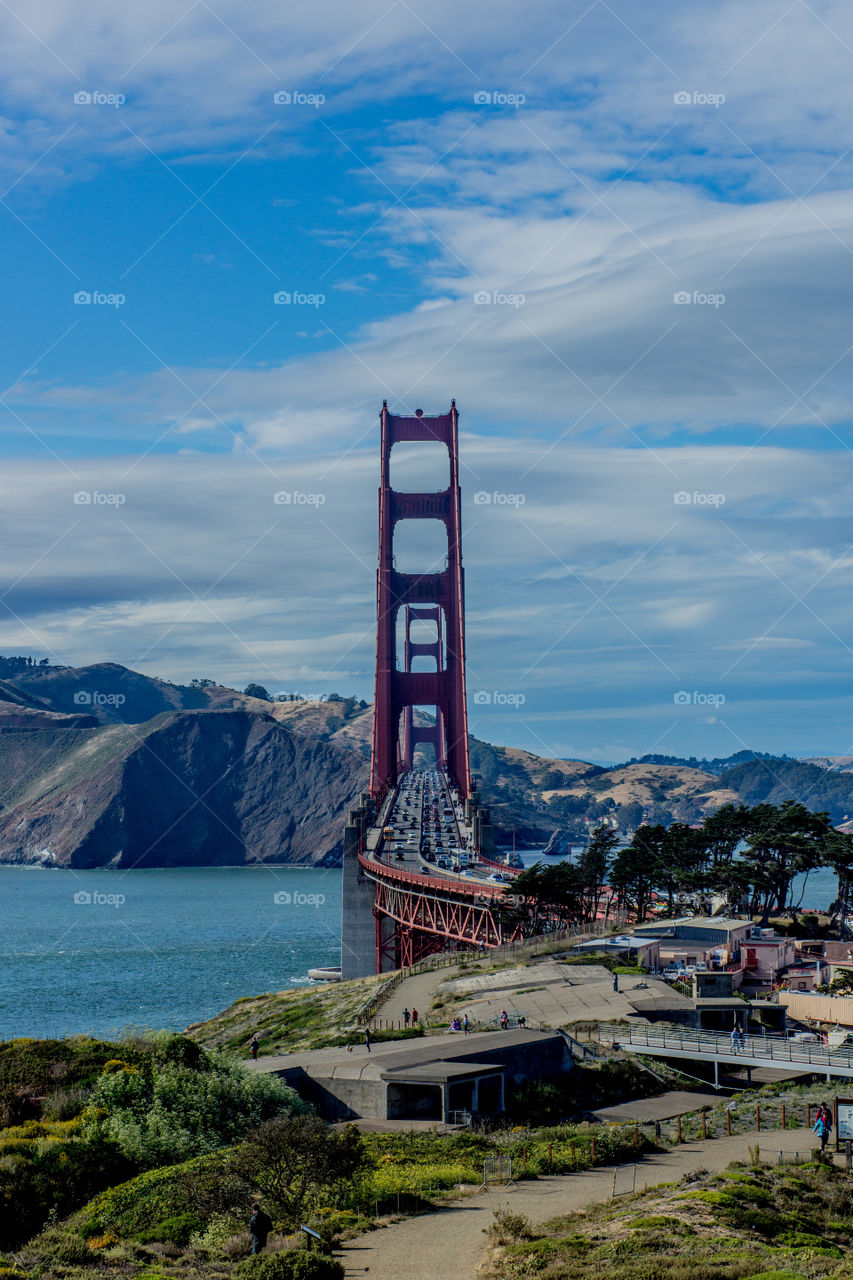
(435, 595)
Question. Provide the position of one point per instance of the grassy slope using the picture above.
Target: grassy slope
(284, 1021)
(783, 1222)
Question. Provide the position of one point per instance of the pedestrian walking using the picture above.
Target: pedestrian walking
(733, 1039)
(740, 1040)
(466, 1025)
(825, 1113)
(414, 1017)
(616, 982)
(504, 1020)
(406, 1017)
(260, 1225)
(254, 1044)
(821, 1128)
(367, 1038)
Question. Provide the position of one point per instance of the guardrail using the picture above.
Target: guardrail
(765, 1049)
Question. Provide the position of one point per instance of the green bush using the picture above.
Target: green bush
(56, 1245)
(290, 1264)
(178, 1228)
(177, 1110)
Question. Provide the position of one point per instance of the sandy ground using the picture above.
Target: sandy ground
(448, 1244)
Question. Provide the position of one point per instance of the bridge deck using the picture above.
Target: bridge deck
(666, 1041)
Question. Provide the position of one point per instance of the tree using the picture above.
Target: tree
(593, 866)
(838, 853)
(781, 843)
(257, 691)
(290, 1160)
(636, 871)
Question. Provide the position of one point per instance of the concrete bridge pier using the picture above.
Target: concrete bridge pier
(358, 934)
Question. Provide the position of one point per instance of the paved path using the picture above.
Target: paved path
(415, 992)
(675, 1102)
(448, 1244)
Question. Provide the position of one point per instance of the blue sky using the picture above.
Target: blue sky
(621, 235)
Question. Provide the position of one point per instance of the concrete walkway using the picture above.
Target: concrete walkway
(415, 992)
(448, 1244)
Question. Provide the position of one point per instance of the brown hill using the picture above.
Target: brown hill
(188, 788)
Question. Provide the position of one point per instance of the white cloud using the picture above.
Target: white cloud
(598, 608)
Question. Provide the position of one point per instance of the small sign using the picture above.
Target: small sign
(843, 1121)
(316, 1234)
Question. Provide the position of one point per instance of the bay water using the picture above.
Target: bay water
(104, 951)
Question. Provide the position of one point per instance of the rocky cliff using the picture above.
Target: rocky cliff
(188, 787)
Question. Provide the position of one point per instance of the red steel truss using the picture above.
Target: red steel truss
(437, 595)
(430, 914)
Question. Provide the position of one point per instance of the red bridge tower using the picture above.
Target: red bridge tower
(436, 596)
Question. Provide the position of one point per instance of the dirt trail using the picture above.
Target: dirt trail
(448, 1244)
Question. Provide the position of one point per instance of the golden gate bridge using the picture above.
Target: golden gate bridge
(419, 868)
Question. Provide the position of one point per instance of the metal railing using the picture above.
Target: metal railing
(659, 1037)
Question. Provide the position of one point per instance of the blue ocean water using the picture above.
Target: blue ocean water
(99, 951)
(102, 951)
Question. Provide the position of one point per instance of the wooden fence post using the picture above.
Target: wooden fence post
(757, 1118)
(593, 1148)
(679, 1128)
(704, 1131)
(784, 1125)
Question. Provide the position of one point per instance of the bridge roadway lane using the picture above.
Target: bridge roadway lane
(424, 824)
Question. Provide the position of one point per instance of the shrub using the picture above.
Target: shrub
(178, 1228)
(509, 1227)
(58, 1246)
(290, 1264)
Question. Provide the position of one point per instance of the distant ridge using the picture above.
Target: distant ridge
(716, 766)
